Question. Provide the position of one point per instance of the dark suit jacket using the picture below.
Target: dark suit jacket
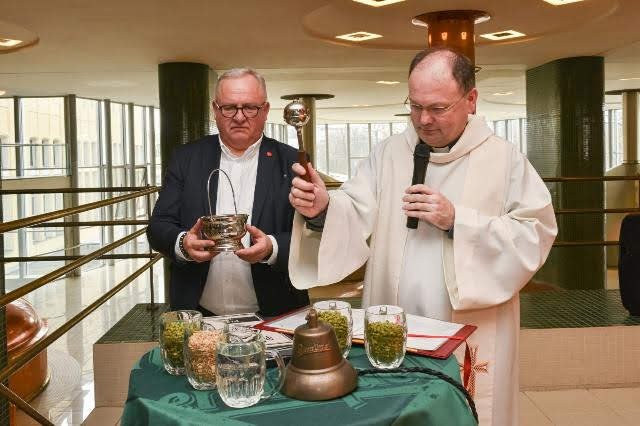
(183, 200)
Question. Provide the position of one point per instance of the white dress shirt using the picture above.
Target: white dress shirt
(229, 287)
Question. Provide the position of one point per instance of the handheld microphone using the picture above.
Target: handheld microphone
(420, 160)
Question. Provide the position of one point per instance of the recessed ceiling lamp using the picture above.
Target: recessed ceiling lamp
(9, 42)
(561, 2)
(630, 78)
(358, 36)
(502, 93)
(387, 82)
(2, 92)
(503, 35)
(378, 3)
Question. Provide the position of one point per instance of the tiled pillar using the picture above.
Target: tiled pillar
(565, 139)
(184, 113)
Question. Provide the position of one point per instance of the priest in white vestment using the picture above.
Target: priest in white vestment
(486, 225)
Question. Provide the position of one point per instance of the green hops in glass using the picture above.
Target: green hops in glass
(337, 314)
(172, 328)
(385, 336)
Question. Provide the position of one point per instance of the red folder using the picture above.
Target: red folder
(443, 352)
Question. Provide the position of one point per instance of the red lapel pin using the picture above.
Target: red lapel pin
(269, 154)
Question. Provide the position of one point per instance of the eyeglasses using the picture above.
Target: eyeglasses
(434, 111)
(230, 111)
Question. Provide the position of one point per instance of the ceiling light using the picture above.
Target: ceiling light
(561, 2)
(2, 92)
(378, 3)
(359, 36)
(502, 35)
(8, 42)
(630, 78)
(502, 93)
(387, 82)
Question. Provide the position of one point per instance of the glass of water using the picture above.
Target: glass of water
(385, 335)
(241, 367)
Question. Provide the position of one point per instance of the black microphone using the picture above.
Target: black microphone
(420, 161)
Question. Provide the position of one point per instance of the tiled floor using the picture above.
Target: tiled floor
(69, 398)
(584, 407)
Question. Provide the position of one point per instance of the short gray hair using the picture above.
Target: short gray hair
(241, 72)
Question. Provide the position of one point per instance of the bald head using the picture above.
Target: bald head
(443, 63)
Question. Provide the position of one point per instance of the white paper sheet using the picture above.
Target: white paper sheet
(415, 325)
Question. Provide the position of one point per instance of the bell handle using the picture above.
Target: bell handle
(273, 354)
(233, 193)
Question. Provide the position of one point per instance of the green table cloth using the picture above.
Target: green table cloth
(157, 398)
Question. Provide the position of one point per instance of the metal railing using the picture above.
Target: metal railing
(44, 220)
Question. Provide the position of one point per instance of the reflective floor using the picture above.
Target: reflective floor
(69, 398)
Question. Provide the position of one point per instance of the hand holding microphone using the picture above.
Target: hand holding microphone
(421, 201)
(421, 156)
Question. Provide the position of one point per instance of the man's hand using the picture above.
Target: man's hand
(308, 198)
(196, 247)
(429, 205)
(261, 248)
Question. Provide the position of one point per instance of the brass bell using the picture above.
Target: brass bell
(317, 370)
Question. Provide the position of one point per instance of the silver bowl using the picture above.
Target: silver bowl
(225, 231)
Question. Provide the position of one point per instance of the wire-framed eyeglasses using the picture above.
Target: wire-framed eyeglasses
(434, 111)
(230, 111)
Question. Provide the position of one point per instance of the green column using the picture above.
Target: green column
(184, 113)
(565, 138)
(184, 105)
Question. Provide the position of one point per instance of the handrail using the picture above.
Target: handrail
(46, 279)
(77, 261)
(89, 223)
(45, 217)
(75, 190)
(42, 344)
(60, 258)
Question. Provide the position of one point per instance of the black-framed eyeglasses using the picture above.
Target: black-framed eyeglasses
(434, 111)
(230, 111)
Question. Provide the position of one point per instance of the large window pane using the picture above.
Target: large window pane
(7, 138)
(397, 128)
(117, 134)
(338, 161)
(43, 129)
(321, 148)
(359, 140)
(379, 132)
(292, 137)
(140, 158)
(501, 128)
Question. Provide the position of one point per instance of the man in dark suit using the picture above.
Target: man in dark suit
(254, 278)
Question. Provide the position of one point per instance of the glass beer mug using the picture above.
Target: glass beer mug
(241, 367)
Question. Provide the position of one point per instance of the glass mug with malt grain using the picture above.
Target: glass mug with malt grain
(241, 367)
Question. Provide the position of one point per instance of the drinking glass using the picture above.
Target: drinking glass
(385, 335)
(241, 367)
(172, 327)
(337, 314)
(200, 348)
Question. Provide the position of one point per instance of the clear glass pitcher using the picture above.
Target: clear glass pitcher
(241, 367)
